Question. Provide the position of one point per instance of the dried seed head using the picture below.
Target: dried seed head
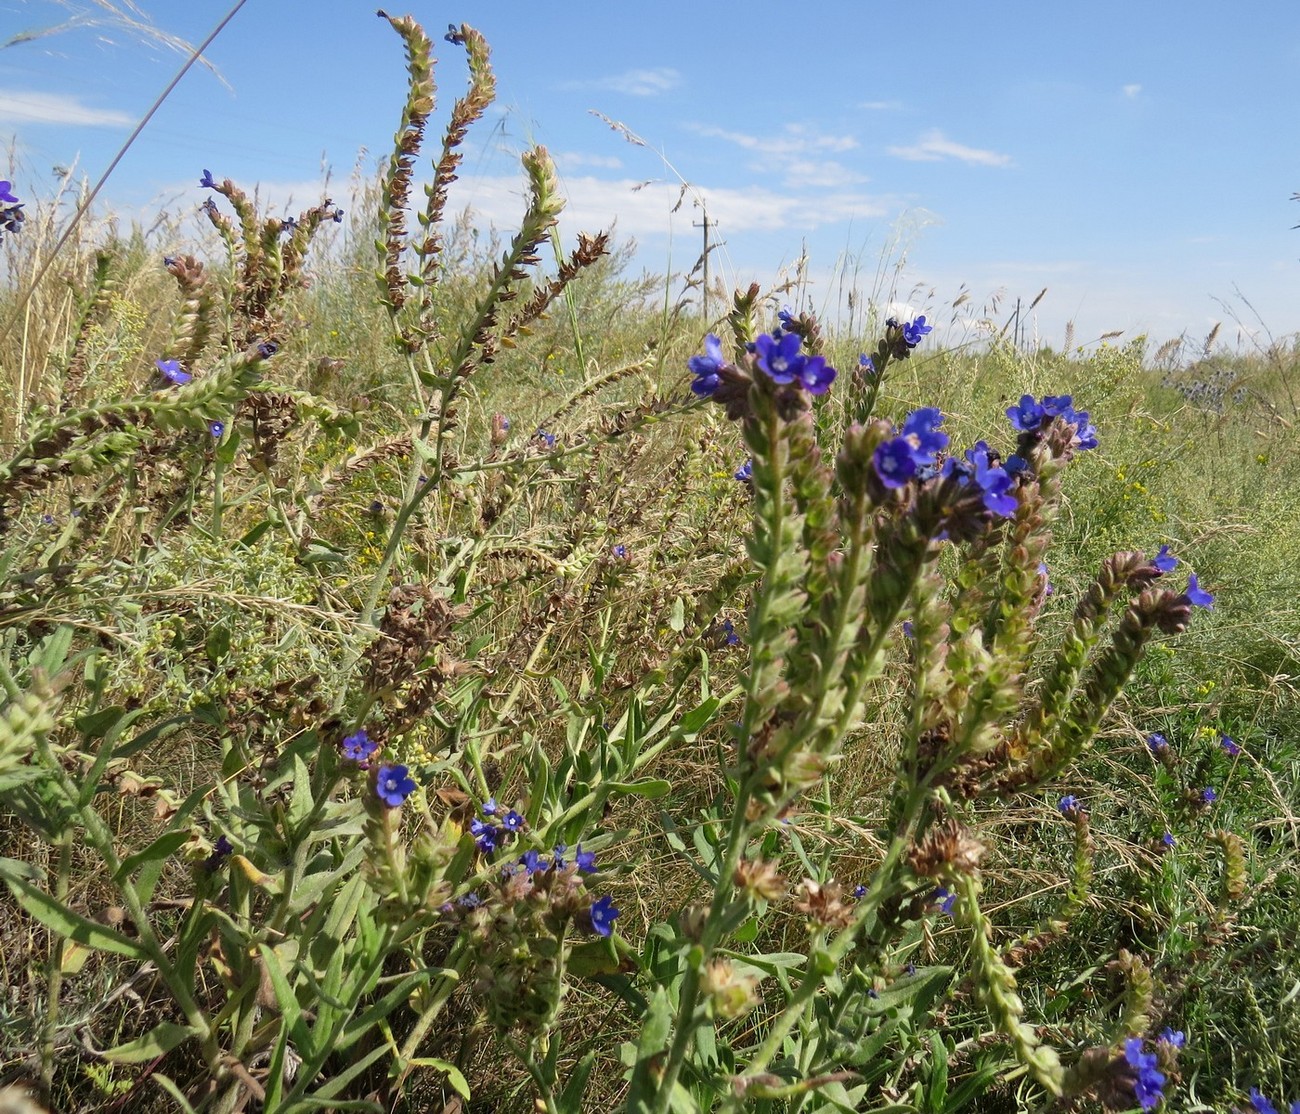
(822, 904)
(759, 878)
(946, 849)
(729, 994)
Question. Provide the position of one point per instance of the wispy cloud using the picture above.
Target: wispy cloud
(1132, 91)
(644, 209)
(634, 83)
(566, 160)
(881, 106)
(794, 139)
(934, 146)
(21, 106)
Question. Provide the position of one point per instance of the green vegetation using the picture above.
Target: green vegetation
(458, 496)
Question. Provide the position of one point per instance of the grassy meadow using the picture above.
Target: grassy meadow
(292, 508)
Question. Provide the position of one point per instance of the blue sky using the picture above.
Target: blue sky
(1135, 159)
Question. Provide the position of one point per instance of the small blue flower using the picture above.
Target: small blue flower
(289, 224)
(894, 462)
(866, 363)
(619, 551)
(913, 331)
(1149, 1084)
(1173, 1037)
(1208, 795)
(921, 428)
(549, 438)
(216, 429)
(860, 890)
(558, 855)
(1047, 584)
(779, 356)
(908, 630)
(206, 181)
(1168, 839)
(171, 369)
(1027, 415)
(359, 746)
(706, 368)
(1069, 804)
(7, 193)
(1157, 742)
(533, 862)
(485, 835)
(1260, 1103)
(47, 519)
(220, 852)
(267, 349)
(585, 861)
(393, 785)
(490, 807)
(993, 481)
(1164, 560)
(944, 899)
(512, 821)
(745, 473)
(731, 638)
(1197, 596)
(1229, 746)
(602, 916)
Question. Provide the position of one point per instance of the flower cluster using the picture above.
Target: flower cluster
(1033, 418)
(1261, 1105)
(916, 447)
(778, 356)
(1148, 1080)
(911, 331)
(11, 210)
(706, 368)
(495, 828)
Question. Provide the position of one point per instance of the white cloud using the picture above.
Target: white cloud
(634, 83)
(21, 106)
(934, 147)
(795, 139)
(645, 209)
(880, 106)
(565, 160)
(1132, 91)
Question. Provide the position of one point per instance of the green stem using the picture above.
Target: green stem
(54, 969)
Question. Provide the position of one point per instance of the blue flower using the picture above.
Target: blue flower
(7, 193)
(485, 835)
(171, 369)
(206, 181)
(558, 855)
(1164, 560)
(779, 356)
(1173, 1037)
(1208, 795)
(706, 368)
(729, 632)
(1149, 1084)
(359, 746)
(490, 807)
(549, 438)
(602, 916)
(860, 890)
(913, 331)
(866, 363)
(921, 428)
(216, 428)
(908, 630)
(1260, 1103)
(1027, 415)
(745, 473)
(1047, 584)
(393, 785)
(785, 315)
(1228, 745)
(1069, 804)
(1168, 839)
(894, 462)
(993, 481)
(220, 852)
(619, 551)
(1197, 596)
(267, 349)
(532, 861)
(943, 898)
(512, 821)
(584, 860)
(1157, 742)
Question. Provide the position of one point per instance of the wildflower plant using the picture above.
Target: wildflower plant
(381, 829)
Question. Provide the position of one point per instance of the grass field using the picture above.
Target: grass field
(337, 582)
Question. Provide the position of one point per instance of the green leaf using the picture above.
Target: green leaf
(158, 1041)
(570, 1099)
(255, 534)
(677, 619)
(458, 1082)
(161, 848)
(648, 787)
(95, 725)
(72, 925)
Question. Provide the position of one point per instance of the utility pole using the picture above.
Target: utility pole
(705, 226)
